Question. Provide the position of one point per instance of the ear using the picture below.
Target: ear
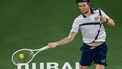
(89, 4)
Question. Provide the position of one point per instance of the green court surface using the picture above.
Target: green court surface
(34, 23)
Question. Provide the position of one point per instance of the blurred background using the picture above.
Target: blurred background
(34, 23)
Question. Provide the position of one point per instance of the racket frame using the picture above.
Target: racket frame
(32, 51)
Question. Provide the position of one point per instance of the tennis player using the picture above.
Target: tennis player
(91, 25)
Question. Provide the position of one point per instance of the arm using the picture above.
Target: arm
(66, 40)
(106, 19)
(109, 22)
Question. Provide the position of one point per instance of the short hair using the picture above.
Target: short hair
(78, 1)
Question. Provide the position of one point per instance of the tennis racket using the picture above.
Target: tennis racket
(25, 56)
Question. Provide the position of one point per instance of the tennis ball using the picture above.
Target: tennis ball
(21, 56)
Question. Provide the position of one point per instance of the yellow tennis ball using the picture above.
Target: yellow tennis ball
(21, 56)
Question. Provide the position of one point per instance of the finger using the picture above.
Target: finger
(52, 45)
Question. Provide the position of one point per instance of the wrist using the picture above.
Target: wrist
(106, 20)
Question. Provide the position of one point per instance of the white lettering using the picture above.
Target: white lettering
(19, 66)
(51, 65)
(77, 65)
(67, 66)
(33, 65)
(41, 65)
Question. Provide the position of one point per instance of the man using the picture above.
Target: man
(90, 22)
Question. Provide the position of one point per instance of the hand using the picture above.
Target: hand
(103, 19)
(52, 44)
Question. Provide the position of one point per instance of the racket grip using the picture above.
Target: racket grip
(43, 48)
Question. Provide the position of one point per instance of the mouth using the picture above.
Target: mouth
(84, 12)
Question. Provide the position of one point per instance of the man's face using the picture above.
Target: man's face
(84, 7)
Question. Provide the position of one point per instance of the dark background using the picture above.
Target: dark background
(35, 23)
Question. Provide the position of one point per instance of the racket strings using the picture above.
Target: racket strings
(28, 55)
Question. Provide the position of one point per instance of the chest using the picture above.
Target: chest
(91, 22)
(91, 19)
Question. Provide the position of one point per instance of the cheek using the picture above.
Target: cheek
(81, 8)
(86, 8)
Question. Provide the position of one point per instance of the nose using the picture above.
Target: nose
(81, 8)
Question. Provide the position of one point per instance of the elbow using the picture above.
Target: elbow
(111, 23)
(70, 39)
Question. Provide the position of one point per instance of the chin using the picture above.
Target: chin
(85, 12)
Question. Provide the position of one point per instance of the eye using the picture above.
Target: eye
(83, 5)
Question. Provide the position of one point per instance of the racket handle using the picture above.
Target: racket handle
(43, 48)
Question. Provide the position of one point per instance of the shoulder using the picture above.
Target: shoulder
(79, 18)
(97, 10)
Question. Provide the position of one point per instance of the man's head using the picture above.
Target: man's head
(84, 5)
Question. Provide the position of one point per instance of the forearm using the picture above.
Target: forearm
(110, 22)
(64, 41)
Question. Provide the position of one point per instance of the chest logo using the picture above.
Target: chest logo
(96, 18)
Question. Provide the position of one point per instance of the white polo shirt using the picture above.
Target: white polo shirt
(89, 26)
